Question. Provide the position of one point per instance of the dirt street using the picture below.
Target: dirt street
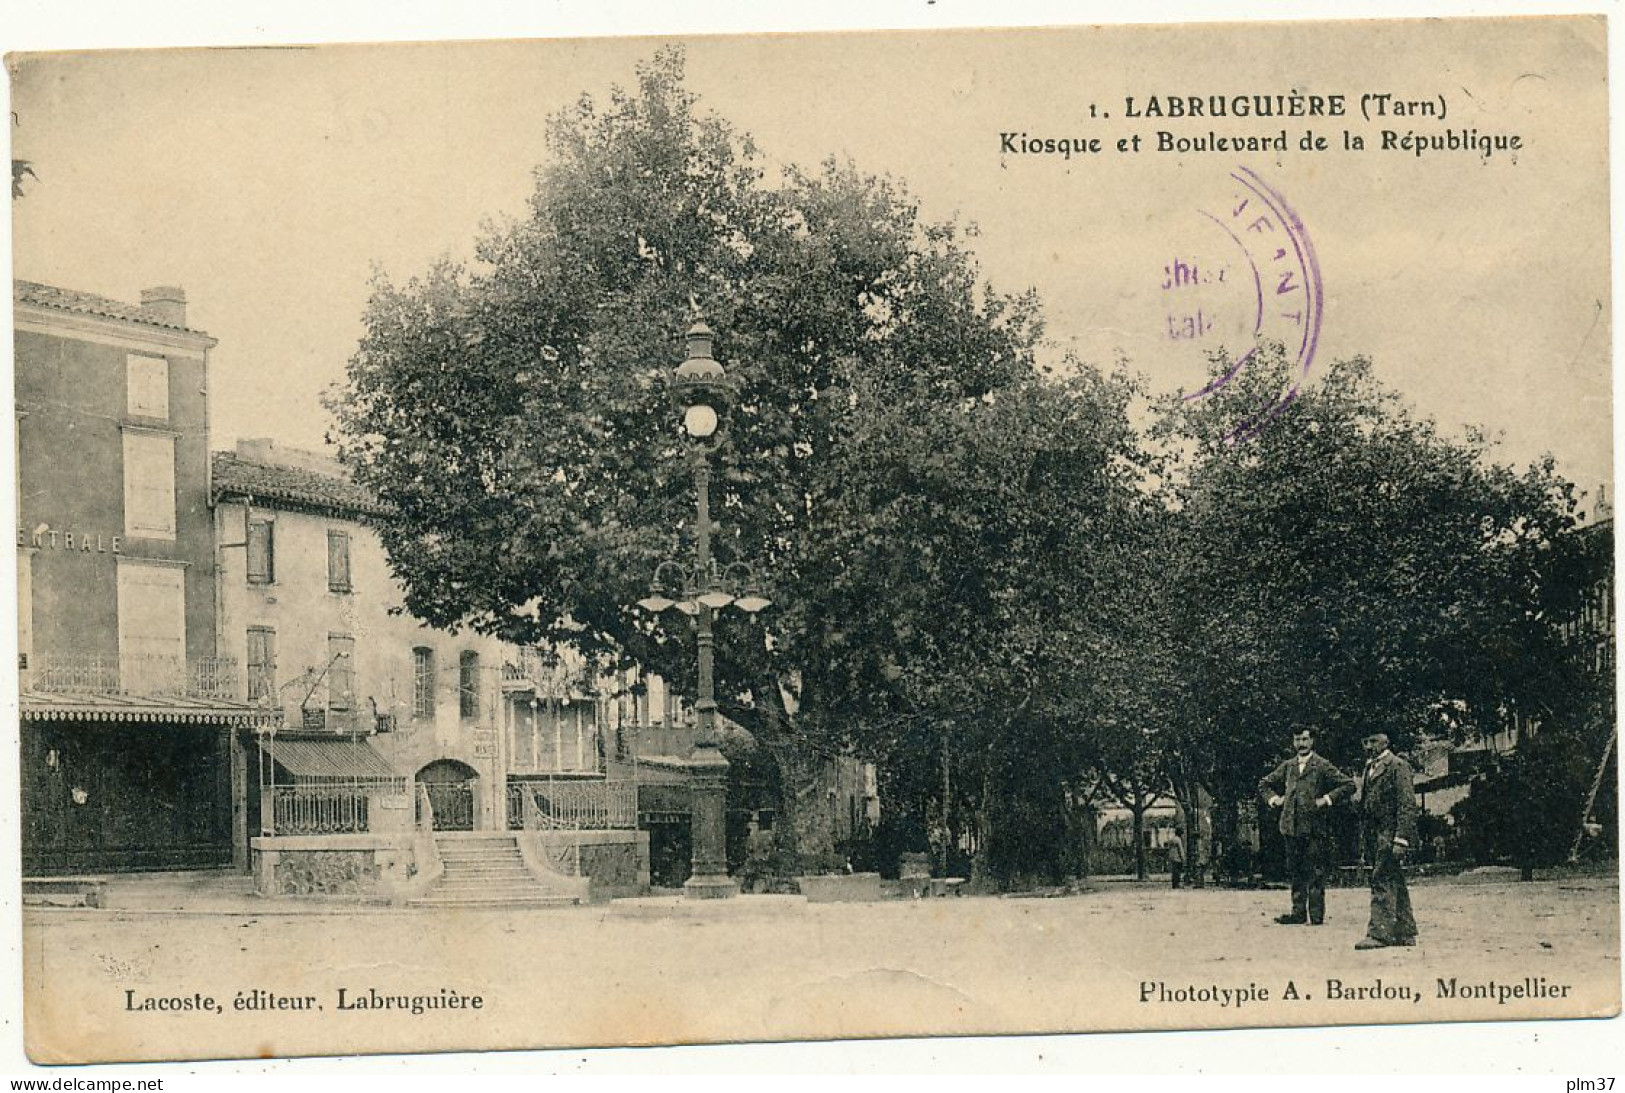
(139, 985)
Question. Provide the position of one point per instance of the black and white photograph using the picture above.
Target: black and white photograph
(696, 539)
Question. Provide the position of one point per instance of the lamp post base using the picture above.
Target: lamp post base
(708, 785)
(710, 887)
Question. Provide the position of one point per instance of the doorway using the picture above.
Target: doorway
(450, 789)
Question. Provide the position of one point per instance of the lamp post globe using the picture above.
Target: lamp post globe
(700, 420)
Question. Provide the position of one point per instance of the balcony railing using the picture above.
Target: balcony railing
(578, 806)
(547, 675)
(318, 810)
(147, 675)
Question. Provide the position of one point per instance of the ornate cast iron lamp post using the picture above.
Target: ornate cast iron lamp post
(703, 390)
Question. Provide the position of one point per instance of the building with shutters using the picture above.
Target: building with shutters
(307, 600)
(373, 707)
(129, 709)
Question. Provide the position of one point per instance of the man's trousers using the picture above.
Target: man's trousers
(1391, 918)
(1306, 861)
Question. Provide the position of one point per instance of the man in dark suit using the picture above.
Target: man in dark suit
(1305, 788)
(1388, 812)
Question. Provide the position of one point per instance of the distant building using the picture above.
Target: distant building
(128, 706)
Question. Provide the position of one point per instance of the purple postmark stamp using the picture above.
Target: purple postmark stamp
(1253, 278)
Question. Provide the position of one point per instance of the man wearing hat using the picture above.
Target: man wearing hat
(1305, 788)
(1388, 810)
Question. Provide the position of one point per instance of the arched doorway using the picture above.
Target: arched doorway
(450, 787)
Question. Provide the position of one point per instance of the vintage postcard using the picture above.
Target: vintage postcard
(563, 543)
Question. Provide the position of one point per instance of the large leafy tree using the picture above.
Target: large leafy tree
(894, 461)
(968, 591)
(1352, 567)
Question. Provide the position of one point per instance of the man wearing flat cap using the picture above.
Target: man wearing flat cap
(1305, 788)
(1388, 811)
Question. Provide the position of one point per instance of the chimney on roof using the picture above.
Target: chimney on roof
(166, 304)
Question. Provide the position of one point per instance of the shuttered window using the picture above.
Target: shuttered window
(340, 672)
(338, 561)
(151, 628)
(261, 663)
(149, 485)
(468, 685)
(422, 682)
(261, 551)
(147, 385)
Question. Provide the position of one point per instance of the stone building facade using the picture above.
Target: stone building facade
(128, 707)
(380, 719)
(308, 600)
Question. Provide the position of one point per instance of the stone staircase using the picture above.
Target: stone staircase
(486, 869)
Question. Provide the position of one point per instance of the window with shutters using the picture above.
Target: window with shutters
(340, 672)
(338, 561)
(261, 551)
(147, 385)
(261, 664)
(422, 682)
(468, 685)
(149, 484)
(151, 628)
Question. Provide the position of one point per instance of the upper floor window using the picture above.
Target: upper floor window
(261, 663)
(338, 561)
(147, 385)
(261, 551)
(422, 682)
(468, 684)
(340, 672)
(151, 627)
(149, 484)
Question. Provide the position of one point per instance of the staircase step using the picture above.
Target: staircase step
(509, 855)
(526, 899)
(488, 870)
(516, 869)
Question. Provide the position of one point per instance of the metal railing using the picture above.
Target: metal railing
(318, 810)
(548, 676)
(137, 674)
(577, 806)
(561, 858)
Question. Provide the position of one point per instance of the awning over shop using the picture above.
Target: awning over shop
(335, 760)
(171, 709)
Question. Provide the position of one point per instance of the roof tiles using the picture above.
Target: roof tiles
(88, 303)
(268, 483)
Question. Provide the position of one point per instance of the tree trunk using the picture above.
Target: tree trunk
(804, 838)
(981, 873)
(1188, 797)
(1089, 839)
(1137, 810)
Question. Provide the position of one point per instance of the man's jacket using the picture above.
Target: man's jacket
(1301, 816)
(1388, 801)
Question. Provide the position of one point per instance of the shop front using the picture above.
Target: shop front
(120, 783)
